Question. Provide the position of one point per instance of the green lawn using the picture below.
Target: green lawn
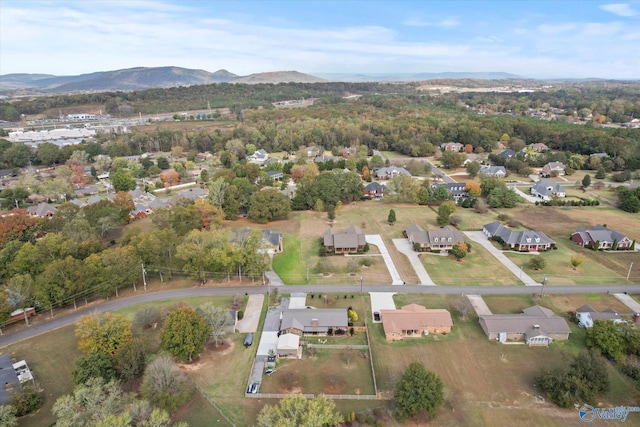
(559, 270)
(290, 263)
(478, 268)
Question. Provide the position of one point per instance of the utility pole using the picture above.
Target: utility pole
(544, 282)
(361, 284)
(629, 273)
(144, 277)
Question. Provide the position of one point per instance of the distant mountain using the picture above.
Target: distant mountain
(279, 77)
(128, 79)
(409, 77)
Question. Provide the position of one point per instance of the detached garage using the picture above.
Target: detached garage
(289, 346)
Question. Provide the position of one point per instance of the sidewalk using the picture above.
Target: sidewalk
(404, 247)
(479, 237)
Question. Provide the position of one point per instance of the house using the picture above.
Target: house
(193, 193)
(507, 154)
(289, 346)
(273, 241)
(139, 195)
(586, 315)
(275, 175)
(391, 172)
(259, 157)
(158, 204)
(204, 156)
(456, 189)
(349, 152)
(535, 325)
(42, 210)
(95, 199)
(523, 241)
(86, 191)
(321, 321)
(602, 238)
(352, 240)
(545, 189)
(374, 190)
(140, 211)
(8, 379)
(452, 146)
(537, 147)
(494, 171)
(414, 321)
(441, 239)
(555, 168)
(79, 203)
(313, 152)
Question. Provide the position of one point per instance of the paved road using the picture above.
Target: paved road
(434, 170)
(404, 247)
(61, 321)
(481, 238)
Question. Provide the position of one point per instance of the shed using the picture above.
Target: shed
(289, 345)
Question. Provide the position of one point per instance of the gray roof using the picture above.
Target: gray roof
(517, 237)
(41, 209)
(272, 237)
(416, 234)
(533, 321)
(547, 187)
(8, 375)
(158, 203)
(507, 153)
(351, 238)
(274, 173)
(608, 314)
(391, 171)
(373, 186)
(94, 199)
(314, 320)
(192, 193)
(554, 166)
(492, 170)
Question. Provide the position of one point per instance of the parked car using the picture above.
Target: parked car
(269, 372)
(248, 340)
(253, 388)
(376, 316)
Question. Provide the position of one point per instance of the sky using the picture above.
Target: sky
(538, 39)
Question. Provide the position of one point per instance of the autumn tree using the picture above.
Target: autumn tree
(297, 410)
(576, 260)
(365, 172)
(170, 177)
(103, 333)
(218, 319)
(418, 391)
(473, 189)
(352, 315)
(184, 334)
(164, 385)
(459, 250)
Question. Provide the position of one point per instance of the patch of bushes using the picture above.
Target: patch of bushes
(25, 401)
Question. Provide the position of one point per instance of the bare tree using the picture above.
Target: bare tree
(218, 319)
(347, 355)
(164, 385)
(462, 305)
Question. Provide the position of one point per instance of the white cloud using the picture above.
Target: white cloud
(620, 9)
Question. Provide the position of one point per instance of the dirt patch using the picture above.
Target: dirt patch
(334, 384)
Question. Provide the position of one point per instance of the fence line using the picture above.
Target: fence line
(211, 402)
(312, 396)
(339, 346)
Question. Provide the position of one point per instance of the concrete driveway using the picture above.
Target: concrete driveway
(481, 238)
(528, 197)
(404, 247)
(628, 301)
(298, 300)
(381, 301)
(479, 305)
(249, 322)
(375, 239)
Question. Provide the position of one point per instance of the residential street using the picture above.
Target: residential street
(114, 304)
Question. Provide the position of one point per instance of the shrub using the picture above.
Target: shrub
(240, 314)
(367, 262)
(361, 417)
(537, 263)
(26, 400)
(371, 419)
(514, 223)
(503, 217)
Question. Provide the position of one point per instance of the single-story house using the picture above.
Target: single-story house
(553, 167)
(523, 241)
(308, 321)
(97, 198)
(414, 320)
(545, 189)
(374, 190)
(586, 315)
(258, 157)
(507, 154)
(441, 239)
(86, 191)
(313, 152)
(537, 147)
(42, 210)
(605, 238)
(452, 146)
(9, 381)
(139, 195)
(391, 172)
(352, 240)
(494, 171)
(535, 325)
(204, 156)
(289, 346)
(193, 193)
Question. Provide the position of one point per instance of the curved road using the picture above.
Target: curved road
(65, 320)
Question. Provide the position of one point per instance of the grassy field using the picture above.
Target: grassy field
(486, 383)
(478, 268)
